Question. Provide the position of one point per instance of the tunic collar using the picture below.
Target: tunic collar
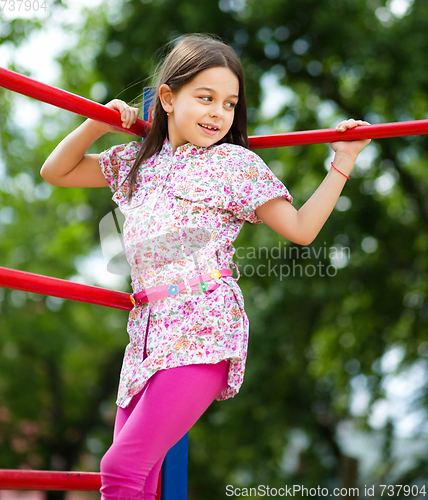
(182, 152)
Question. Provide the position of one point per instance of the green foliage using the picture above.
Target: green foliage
(319, 343)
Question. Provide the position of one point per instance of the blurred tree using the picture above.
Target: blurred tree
(327, 344)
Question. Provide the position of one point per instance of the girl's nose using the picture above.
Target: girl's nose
(216, 111)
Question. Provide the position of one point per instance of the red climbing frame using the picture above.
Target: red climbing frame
(47, 480)
(85, 107)
(29, 282)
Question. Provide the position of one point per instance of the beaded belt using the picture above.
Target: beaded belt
(198, 283)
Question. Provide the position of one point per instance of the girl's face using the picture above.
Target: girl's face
(202, 111)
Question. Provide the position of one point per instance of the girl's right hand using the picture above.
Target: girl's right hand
(128, 114)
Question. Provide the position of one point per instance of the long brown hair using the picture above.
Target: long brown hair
(190, 55)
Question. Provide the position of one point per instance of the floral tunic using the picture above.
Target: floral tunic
(186, 211)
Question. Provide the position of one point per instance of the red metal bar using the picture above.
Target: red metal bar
(67, 100)
(49, 480)
(11, 479)
(36, 283)
(85, 107)
(381, 131)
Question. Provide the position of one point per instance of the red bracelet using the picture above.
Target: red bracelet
(339, 171)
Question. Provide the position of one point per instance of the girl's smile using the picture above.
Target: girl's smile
(209, 129)
(203, 110)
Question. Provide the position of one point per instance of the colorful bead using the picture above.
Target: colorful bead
(203, 287)
(216, 274)
(173, 289)
(132, 300)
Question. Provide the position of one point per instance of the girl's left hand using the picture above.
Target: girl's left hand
(352, 148)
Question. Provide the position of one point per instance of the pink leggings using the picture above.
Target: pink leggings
(156, 419)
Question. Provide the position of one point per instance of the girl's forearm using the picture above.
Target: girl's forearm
(302, 226)
(312, 216)
(71, 150)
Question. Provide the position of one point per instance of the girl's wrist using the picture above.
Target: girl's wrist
(95, 128)
(343, 156)
(344, 163)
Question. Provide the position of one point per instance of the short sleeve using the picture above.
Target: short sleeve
(116, 162)
(253, 184)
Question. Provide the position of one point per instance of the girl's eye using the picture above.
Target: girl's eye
(206, 98)
(231, 105)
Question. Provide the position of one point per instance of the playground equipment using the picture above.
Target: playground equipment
(173, 479)
(85, 107)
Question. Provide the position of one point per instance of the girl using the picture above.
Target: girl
(186, 192)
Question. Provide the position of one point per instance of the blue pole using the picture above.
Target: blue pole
(174, 471)
(148, 102)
